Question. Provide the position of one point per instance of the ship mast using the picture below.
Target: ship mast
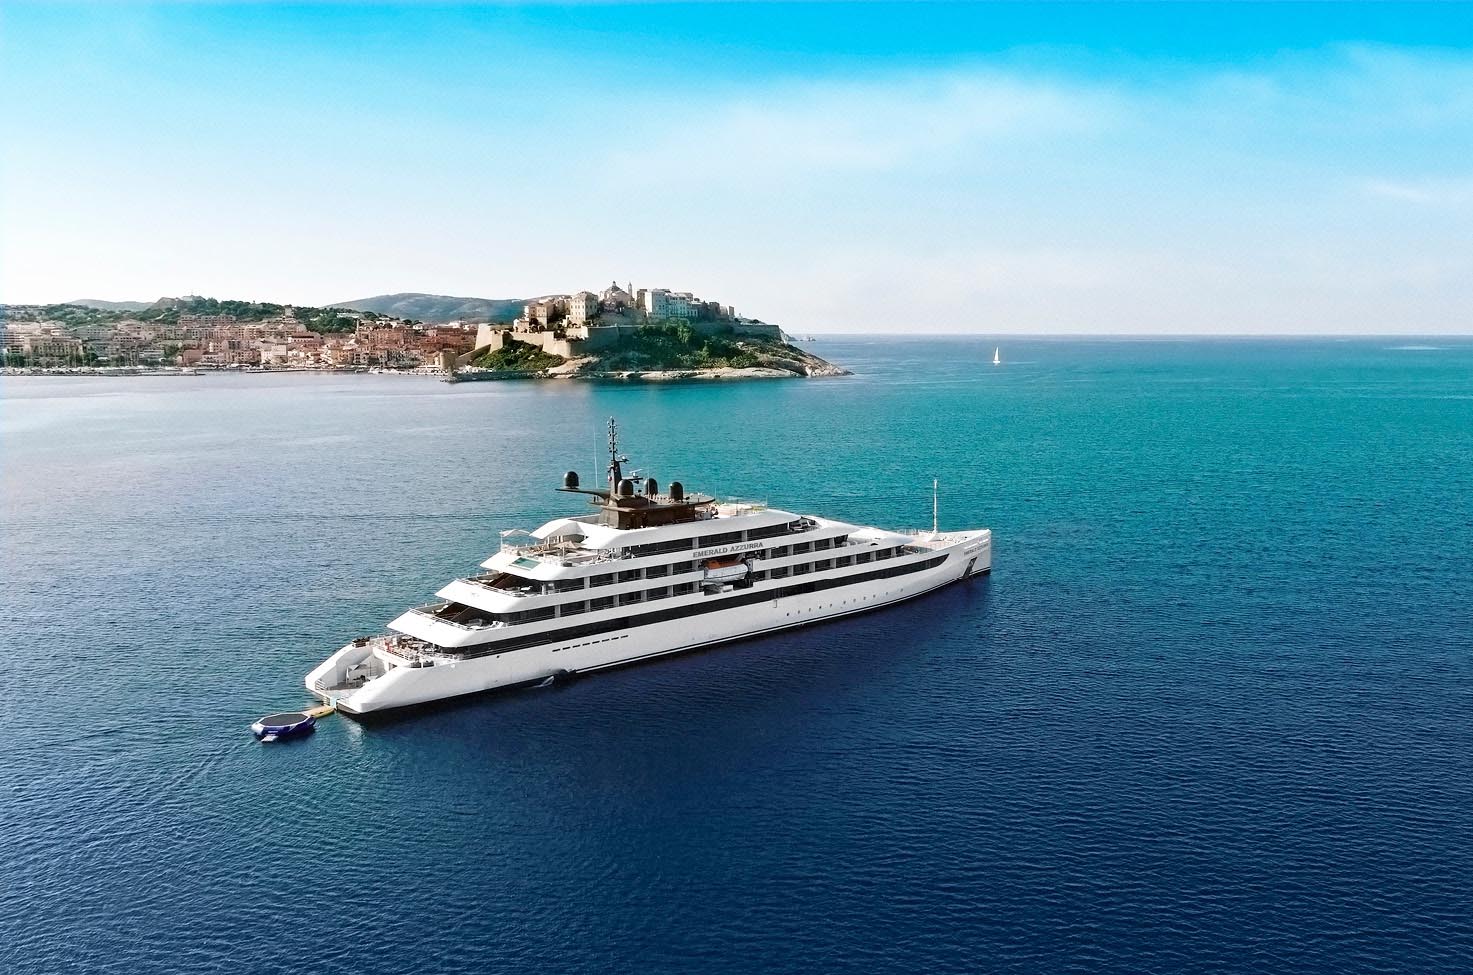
(616, 472)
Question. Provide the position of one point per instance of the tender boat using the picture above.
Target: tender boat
(285, 724)
(726, 570)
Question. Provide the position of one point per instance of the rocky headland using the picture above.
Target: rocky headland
(656, 354)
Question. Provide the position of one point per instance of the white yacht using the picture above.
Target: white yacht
(650, 572)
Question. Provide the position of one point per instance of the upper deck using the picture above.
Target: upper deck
(642, 547)
(483, 610)
(565, 543)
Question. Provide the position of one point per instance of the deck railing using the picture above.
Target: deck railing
(432, 611)
(562, 547)
(412, 651)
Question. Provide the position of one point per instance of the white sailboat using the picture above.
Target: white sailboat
(997, 356)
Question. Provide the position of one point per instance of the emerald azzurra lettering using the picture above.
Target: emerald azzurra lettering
(706, 553)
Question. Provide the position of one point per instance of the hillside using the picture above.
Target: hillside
(101, 305)
(167, 311)
(666, 351)
(438, 309)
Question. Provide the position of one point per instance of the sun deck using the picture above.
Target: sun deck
(558, 550)
(931, 541)
(405, 650)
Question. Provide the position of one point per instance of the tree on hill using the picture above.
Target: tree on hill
(675, 345)
(519, 356)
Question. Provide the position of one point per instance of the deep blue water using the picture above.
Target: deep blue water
(1211, 712)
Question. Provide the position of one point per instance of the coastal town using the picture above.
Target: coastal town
(623, 330)
(74, 338)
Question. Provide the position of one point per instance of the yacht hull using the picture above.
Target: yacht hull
(408, 686)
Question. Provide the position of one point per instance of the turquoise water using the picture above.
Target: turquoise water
(1210, 713)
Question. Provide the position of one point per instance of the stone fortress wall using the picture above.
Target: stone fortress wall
(584, 324)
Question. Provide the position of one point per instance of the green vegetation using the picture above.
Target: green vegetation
(675, 345)
(665, 346)
(325, 320)
(167, 312)
(519, 356)
(440, 308)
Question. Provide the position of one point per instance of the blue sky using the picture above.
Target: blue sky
(1171, 168)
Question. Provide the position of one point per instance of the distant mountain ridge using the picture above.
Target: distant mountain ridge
(438, 308)
(101, 305)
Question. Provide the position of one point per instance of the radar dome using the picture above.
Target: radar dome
(570, 480)
(651, 486)
(626, 488)
(677, 491)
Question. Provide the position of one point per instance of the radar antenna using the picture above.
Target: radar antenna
(616, 471)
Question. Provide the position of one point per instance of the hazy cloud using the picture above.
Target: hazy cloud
(1429, 193)
(874, 125)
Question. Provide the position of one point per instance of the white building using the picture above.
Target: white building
(662, 303)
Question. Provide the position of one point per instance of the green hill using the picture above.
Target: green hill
(438, 308)
(670, 347)
(167, 311)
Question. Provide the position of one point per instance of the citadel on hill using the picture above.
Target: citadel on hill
(582, 324)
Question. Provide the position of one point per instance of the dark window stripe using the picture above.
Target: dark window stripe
(684, 612)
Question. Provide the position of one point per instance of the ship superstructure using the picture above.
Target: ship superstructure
(650, 572)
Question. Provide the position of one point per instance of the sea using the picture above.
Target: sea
(1212, 712)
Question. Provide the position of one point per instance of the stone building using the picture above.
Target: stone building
(615, 300)
(583, 323)
(583, 307)
(51, 349)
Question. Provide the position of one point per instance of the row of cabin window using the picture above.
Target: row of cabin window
(752, 534)
(822, 565)
(725, 601)
(599, 603)
(708, 541)
(686, 588)
(803, 548)
(634, 575)
(678, 568)
(613, 578)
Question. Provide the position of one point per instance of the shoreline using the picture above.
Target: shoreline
(723, 374)
(128, 372)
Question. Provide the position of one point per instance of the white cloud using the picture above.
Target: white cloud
(1428, 193)
(876, 125)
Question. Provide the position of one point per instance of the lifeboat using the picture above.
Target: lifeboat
(725, 570)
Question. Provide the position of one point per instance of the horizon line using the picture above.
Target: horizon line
(1147, 335)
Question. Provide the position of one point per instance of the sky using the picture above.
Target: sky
(1009, 168)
